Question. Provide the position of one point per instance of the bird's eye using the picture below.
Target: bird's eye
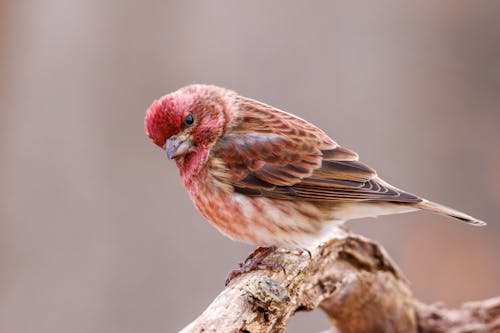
(189, 119)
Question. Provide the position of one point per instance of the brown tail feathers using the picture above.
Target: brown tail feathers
(443, 210)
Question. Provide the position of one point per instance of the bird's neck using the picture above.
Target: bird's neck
(192, 164)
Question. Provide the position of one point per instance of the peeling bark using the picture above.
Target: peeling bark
(353, 281)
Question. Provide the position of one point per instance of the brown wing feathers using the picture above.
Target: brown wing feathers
(277, 155)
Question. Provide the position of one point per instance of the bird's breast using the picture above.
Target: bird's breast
(257, 220)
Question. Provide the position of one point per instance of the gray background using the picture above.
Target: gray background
(97, 233)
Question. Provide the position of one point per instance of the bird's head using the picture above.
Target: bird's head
(188, 120)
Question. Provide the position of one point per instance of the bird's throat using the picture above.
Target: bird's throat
(192, 164)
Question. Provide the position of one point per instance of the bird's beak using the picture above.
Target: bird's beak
(178, 146)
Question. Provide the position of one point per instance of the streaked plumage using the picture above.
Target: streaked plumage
(266, 177)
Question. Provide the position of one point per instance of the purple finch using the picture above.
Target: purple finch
(266, 177)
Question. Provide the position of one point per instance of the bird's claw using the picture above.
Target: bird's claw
(254, 262)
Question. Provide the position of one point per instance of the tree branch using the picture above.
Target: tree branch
(353, 281)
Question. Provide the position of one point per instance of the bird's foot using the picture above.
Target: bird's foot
(309, 254)
(299, 252)
(254, 262)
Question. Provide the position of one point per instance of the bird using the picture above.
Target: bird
(266, 177)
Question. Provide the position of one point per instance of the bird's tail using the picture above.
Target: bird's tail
(443, 210)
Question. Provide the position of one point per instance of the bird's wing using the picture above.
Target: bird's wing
(271, 153)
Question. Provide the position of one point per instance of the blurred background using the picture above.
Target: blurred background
(97, 233)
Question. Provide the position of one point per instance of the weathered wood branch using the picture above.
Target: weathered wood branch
(353, 281)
